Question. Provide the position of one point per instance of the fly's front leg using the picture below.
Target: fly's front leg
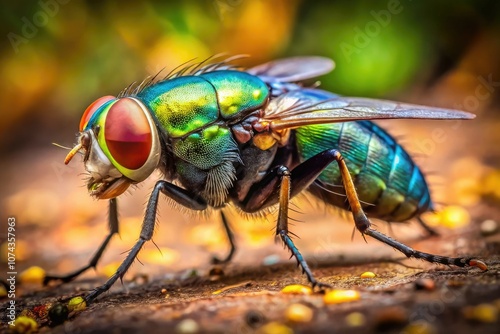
(178, 194)
(363, 224)
(113, 228)
(230, 237)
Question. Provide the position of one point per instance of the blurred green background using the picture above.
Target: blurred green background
(59, 56)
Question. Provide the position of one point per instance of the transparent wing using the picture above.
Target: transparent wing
(293, 69)
(309, 106)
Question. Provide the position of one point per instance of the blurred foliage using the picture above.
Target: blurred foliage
(58, 56)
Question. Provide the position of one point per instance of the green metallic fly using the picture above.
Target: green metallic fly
(253, 139)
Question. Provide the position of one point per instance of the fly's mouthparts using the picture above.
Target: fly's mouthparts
(72, 153)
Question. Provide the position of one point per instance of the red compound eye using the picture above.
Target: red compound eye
(92, 109)
(128, 134)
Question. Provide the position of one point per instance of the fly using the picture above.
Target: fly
(254, 139)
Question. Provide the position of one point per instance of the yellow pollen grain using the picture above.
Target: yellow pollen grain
(299, 313)
(33, 275)
(297, 289)
(77, 304)
(368, 274)
(341, 296)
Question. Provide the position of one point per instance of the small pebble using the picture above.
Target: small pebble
(425, 284)
(297, 289)
(187, 326)
(487, 313)
(341, 296)
(355, 319)
(32, 275)
(368, 274)
(275, 328)
(58, 313)
(420, 327)
(163, 291)
(77, 304)
(24, 325)
(489, 227)
(299, 313)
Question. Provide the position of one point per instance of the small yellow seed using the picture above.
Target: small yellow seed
(275, 328)
(3, 291)
(355, 319)
(341, 296)
(33, 275)
(487, 313)
(299, 313)
(77, 304)
(297, 289)
(368, 274)
(24, 325)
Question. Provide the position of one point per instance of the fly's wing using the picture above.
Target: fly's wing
(293, 69)
(311, 106)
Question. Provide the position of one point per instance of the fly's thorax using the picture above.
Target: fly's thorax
(187, 104)
(121, 144)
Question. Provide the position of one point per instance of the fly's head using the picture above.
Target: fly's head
(120, 143)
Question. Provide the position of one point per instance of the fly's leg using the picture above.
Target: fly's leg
(230, 237)
(363, 223)
(178, 194)
(113, 228)
(282, 225)
(430, 231)
(277, 187)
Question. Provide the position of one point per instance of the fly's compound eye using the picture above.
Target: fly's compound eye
(129, 138)
(90, 111)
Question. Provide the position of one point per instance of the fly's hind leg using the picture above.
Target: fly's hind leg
(364, 226)
(113, 228)
(230, 237)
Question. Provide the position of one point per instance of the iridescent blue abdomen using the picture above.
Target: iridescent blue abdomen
(387, 180)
